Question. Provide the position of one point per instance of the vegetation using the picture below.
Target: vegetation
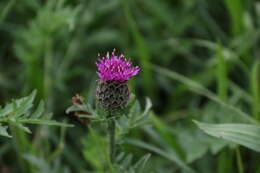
(199, 65)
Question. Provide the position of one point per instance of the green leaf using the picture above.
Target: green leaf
(23, 105)
(39, 111)
(166, 154)
(84, 108)
(19, 112)
(164, 133)
(243, 134)
(148, 106)
(200, 89)
(22, 127)
(135, 118)
(255, 90)
(44, 122)
(6, 110)
(140, 165)
(3, 131)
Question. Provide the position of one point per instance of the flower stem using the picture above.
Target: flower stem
(112, 144)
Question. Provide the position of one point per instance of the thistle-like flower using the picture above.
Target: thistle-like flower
(112, 89)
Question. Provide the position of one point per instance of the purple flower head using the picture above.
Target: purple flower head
(115, 68)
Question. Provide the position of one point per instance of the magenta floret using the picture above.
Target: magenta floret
(115, 68)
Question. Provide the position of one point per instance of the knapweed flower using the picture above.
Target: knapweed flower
(112, 89)
(115, 68)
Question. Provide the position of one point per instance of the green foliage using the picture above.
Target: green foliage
(199, 61)
(134, 117)
(255, 90)
(125, 120)
(125, 164)
(19, 112)
(96, 156)
(42, 165)
(243, 134)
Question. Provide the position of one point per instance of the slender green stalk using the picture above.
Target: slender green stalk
(21, 145)
(60, 147)
(222, 76)
(255, 90)
(236, 11)
(142, 49)
(224, 164)
(239, 161)
(111, 133)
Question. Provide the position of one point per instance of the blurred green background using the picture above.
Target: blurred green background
(195, 56)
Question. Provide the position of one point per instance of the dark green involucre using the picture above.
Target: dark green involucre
(112, 95)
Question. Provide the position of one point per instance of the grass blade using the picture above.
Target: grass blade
(255, 90)
(162, 153)
(142, 50)
(200, 89)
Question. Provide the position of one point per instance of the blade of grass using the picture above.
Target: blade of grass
(255, 90)
(200, 89)
(225, 158)
(235, 9)
(142, 49)
(168, 155)
(239, 161)
(222, 79)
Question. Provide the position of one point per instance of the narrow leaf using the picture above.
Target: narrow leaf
(200, 89)
(243, 134)
(44, 122)
(168, 155)
(140, 165)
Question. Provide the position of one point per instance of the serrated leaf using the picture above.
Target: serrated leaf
(3, 131)
(39, 111)
(23, 105)
(243, 134)
(6, 110)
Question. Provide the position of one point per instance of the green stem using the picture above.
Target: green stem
(22, 146)
(111, 133)
(239, 161)
(255, 90)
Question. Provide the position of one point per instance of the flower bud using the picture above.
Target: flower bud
(112, 90)
(112, 95)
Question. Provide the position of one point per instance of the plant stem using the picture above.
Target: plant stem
(239, 161)
(255, 90)
(111, 133)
